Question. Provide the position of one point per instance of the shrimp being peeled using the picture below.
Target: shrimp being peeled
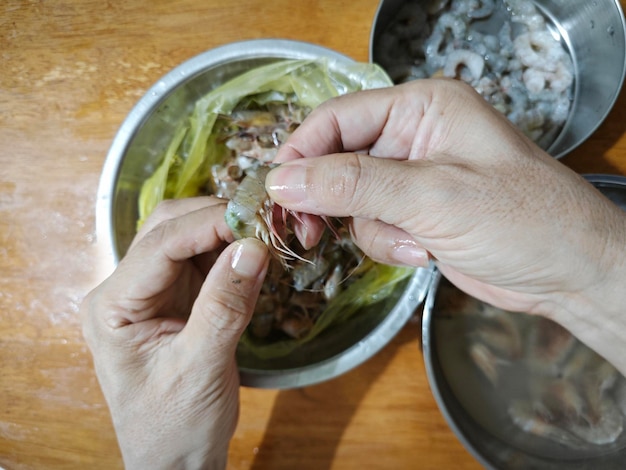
(304, 280)
(225, 148)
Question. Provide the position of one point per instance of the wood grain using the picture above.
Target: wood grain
(70, 72)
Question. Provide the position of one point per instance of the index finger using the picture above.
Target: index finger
(173, 208)
(381, 122)
(153, 264)
(182, 237)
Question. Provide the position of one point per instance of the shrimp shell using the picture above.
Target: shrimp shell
(250, 213)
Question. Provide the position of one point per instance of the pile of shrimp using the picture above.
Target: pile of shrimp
(565, 392)
(523, 70)
(300, 282)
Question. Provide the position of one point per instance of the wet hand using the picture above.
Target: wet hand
(163, 330)
(430, 170)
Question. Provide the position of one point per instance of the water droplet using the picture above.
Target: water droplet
(593, 24)
(610, 30)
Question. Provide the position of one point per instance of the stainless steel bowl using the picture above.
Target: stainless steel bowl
(134, 155)
(595, 34)
(472, 416)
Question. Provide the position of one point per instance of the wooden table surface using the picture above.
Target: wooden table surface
(70, 71)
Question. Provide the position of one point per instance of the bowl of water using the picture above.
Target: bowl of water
(520, 391)
(553, 67)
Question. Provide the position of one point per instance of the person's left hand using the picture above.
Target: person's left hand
(163, 330)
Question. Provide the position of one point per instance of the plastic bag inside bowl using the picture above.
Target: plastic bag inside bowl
(187, 159)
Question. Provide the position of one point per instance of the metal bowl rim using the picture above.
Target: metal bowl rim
(435, 386)
(616, 180)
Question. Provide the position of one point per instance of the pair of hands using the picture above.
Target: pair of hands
(425, 170)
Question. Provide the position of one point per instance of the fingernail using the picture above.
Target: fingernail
(409, 254)
(287, 182)
(249, 258)
(301, 231)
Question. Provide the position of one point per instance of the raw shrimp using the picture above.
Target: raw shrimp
(496, 62)
(531, 122)
(296, 326)
(605, 429)
(548, 346)
(464, 64)
(500, 332)
(505, 36)
(300, 283)
(561, 79)
(333, 283)
(305, 274)
(461, 8)
(487, 86)
(531, 421)
(225, 179)
(539, 50)
(449, 27)
(549, 384)
(534, 80)
(482, 9)
(250, 213)
(560, 398)
(452, 26)
(514, 70)
(486, 361)
(402, 73)
(525, 12)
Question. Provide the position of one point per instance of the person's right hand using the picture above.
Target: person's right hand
(430, 169)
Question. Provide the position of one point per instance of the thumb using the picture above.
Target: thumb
(227, 299)
(349, 185)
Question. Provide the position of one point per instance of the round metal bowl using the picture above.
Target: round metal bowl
(592, 31)
(472, 413)
(133, 157)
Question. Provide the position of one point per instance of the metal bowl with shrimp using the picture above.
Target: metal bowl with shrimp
(554, 68)
(520, 391)
(164, 148)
